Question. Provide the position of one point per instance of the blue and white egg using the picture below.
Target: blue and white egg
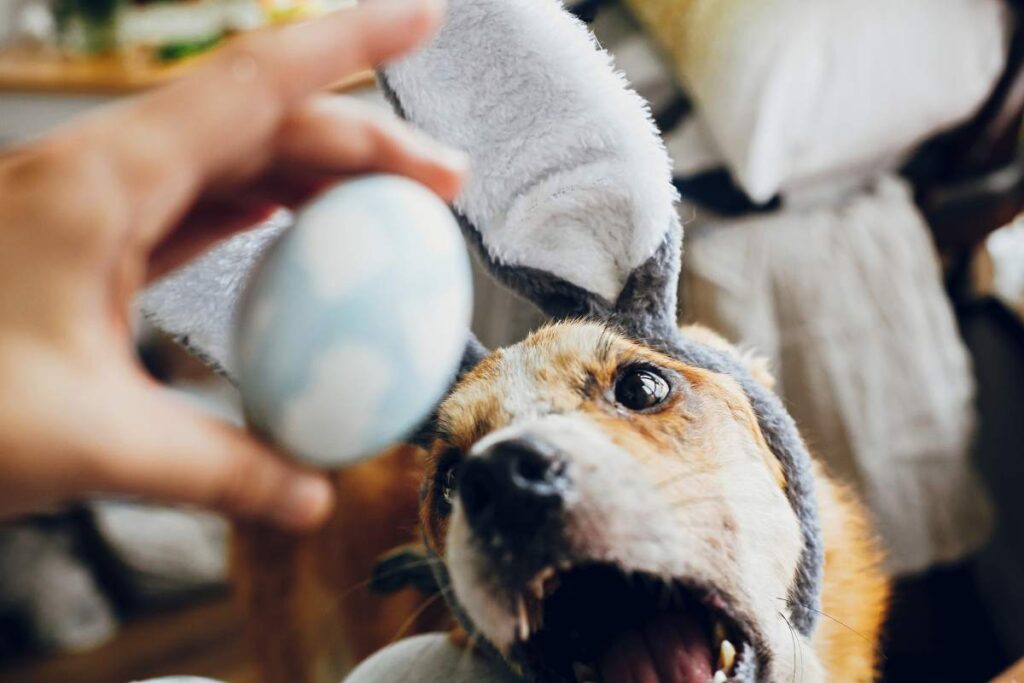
(352, 328)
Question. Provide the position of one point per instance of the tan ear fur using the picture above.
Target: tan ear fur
(758, 366)
(855, 593)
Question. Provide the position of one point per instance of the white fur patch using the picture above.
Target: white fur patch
(490, 615)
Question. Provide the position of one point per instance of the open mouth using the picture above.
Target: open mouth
(598, 623)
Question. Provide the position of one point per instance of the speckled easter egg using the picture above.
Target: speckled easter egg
(353, 326)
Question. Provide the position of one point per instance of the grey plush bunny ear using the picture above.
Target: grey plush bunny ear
(196, 304)
(570, 200)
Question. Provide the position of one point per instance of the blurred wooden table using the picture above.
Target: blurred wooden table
(39, 71)
(40, 89)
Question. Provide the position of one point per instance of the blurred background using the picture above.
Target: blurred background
(852, 178)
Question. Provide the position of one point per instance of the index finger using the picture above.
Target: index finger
(216, 122)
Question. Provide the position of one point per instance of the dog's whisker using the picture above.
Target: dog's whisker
(686, 499)
(792, 635)
(833, 619)
(467, 654)
(717, 467)
(347, 592)
(417, 613)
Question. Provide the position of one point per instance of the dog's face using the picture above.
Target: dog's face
(608, 513)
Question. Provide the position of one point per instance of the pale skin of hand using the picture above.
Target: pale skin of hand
(96, 210)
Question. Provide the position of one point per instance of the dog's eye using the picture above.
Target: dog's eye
(641, 388)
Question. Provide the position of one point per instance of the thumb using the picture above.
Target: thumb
(183, 455)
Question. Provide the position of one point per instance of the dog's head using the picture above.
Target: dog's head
(606, 510)
(655, 480)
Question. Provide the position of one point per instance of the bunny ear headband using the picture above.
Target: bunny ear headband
(570, 203)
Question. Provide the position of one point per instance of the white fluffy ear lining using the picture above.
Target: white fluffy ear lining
(757, 365)
(570, 176)
(196, 304)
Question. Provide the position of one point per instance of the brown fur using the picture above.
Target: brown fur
(855, 594)
(312, 616)
(301, 589)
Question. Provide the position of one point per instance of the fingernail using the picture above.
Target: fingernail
(307, 501)
(441, 153)
(410, 5)
(455, 158)
(422, 17)
(451, 162)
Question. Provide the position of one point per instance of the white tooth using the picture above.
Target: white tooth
(719, 632)
(524, 621)
(720, 677)
(726, 656)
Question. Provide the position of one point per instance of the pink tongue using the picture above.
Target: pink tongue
(666, 649)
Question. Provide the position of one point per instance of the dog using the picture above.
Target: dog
(606, 512)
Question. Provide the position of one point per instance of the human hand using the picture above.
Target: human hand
(91, 213)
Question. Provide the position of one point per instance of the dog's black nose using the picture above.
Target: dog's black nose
(513, 489)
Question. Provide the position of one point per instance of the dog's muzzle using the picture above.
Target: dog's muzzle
(513, 495)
